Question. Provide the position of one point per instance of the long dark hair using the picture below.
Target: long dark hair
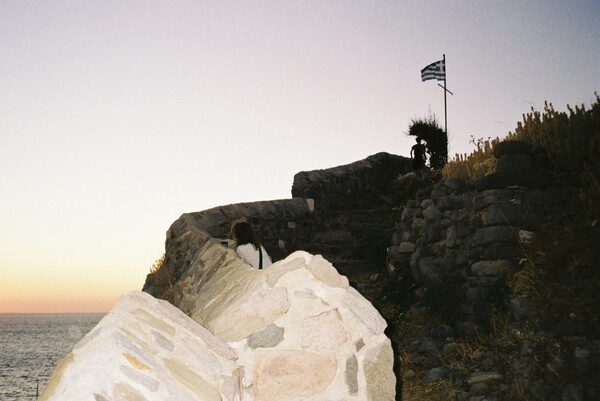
(243, 233)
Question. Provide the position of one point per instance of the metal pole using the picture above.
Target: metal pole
(445, 108)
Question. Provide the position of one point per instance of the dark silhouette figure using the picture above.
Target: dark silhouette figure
(418, 156)
(249, 247)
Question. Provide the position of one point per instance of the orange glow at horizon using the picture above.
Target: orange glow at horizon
(47, 304)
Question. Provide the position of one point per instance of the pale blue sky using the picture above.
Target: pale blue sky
(118, 116)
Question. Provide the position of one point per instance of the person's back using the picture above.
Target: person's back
(417, 153)
(250, 255)
(248, 246)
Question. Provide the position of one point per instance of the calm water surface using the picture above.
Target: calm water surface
(32, 345)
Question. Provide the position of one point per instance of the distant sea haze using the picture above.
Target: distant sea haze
(32, 345)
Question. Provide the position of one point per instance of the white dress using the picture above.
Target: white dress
(251, 256)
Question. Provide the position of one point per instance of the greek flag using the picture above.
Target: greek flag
(435, 70)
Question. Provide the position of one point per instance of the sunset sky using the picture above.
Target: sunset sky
(118, 116)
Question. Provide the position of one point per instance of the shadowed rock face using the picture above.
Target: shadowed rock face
(352, 186)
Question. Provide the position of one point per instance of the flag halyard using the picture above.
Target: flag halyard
(435, 70)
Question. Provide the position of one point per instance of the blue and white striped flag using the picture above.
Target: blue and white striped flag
(435, 70)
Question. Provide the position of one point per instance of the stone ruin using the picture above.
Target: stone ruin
(295, 331)
(471, 240)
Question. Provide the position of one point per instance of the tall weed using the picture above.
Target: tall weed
(571, 138)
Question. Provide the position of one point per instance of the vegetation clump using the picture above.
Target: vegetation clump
(436, 139)
(572, 140)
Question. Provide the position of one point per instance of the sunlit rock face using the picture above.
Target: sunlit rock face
(301, 332)
(146, 349)
(295, 331)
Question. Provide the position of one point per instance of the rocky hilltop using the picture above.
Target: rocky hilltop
(295, 331)
(470, 291)
(456, 269)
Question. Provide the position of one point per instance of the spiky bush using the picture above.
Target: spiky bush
(573, 142)
(436, 140)
(571, 138)
(474, 166)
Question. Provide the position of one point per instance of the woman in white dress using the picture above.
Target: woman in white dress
(248, 245)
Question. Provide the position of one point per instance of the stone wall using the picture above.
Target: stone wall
(294, 331)
(358, 185)
(469, 240)
(297, 315)
(461, 251)
(304, 223)
(282, 226)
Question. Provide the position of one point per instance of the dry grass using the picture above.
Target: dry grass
(572, 140)
(473, 167)
(161, 276)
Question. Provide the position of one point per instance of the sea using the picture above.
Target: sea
(32, 345)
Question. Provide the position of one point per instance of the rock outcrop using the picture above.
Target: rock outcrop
(285, 321)
(147, 349)
(483, 321)
(294, 331)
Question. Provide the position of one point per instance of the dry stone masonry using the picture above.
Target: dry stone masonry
(295, 331)
(459, 246)
(285, 321)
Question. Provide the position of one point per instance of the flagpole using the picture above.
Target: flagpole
(445, 107)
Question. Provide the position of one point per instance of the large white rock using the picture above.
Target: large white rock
(303, 313)
(146, 349)
(295, 331)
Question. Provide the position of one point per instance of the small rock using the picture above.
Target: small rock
(433, 213)
(439, 190)
(572, 392)
(269, 337)
(456, 185)
(409, 213)
(451, 237)
(479, 388)
(428, 345)
(467, 328)
(487, 235)
(491, 268)
(477, 355)
(441, 332)
(526, 237)
(408, 373)
(450, 349)
(524, 366)
(406, 247)
(484, 377)
(582, 356)
(434, 375)
(488, 363)
(426, 203)
(430, 362)
(522, 308)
